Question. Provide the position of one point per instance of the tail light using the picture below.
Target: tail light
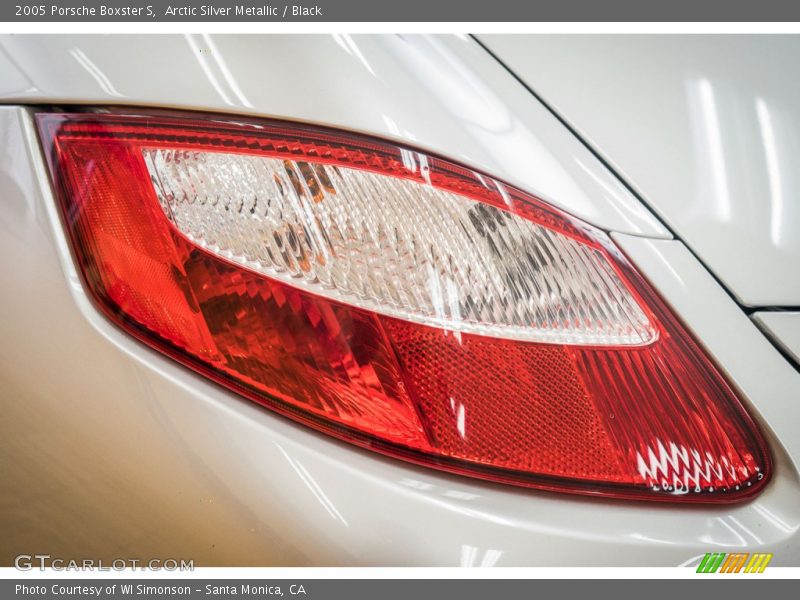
(399, 302)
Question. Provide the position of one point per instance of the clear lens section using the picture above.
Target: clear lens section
(398, 247)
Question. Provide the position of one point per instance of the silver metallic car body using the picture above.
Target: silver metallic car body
(109, 449)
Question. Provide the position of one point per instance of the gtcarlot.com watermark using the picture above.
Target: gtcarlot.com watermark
(29, 562)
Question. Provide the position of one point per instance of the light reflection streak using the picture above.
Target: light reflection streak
(665, 263)
(460, 412)
(692, 562)
(417, 485)
(207, 69)
(313, 486)
(346, 42)
(469, 556)
(645, 538)
(459, 495)
(631, 204)
(736, 522)
(714, 147)
(95, 72)
(226, 73)
(742, 542)
(450, 506)
(773, 169)
(774, 519)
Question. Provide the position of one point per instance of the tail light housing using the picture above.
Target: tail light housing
(400, 302)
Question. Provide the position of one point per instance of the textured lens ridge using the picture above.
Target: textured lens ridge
(397, 246)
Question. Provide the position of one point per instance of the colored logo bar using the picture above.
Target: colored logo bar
(738, 562)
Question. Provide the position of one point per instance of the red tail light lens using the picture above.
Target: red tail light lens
(399, 302)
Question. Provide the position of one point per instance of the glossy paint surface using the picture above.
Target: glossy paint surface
(116, 450)
(445, 95)
(783, 328)
(705, 128)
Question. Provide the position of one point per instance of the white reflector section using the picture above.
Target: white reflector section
(397, 247)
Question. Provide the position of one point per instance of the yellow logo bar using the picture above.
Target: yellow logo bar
(758, 562)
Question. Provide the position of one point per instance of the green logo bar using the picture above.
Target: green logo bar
(711, 562)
